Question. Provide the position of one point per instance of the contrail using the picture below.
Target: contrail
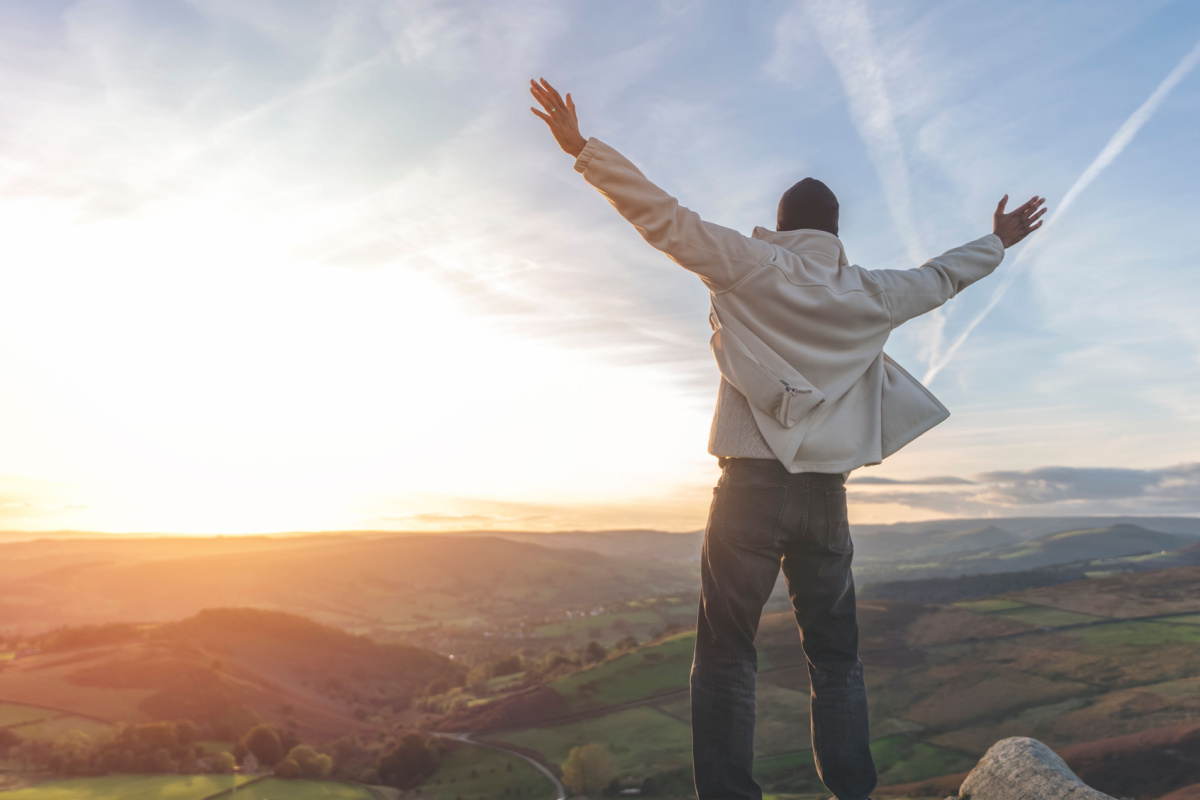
(1119, 141)
(843, 29)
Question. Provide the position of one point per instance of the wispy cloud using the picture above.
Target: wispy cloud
(843, 28)
(1115, 146)
(844, 31)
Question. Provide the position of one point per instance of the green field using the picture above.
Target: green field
(131, 787)
(13, 714)
(901, 760)
(645, 672)
(275, 789)
(581, 624)
(1045, 617)
(643, 740)
(988, 606)
(53, 728)
(476, 773)
(1136, 633)
(781, 717)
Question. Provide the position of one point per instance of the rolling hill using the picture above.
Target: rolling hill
(361, 583)
(224, 669)
(1104, 670)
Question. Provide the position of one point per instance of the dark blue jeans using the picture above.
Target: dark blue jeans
(762, 516)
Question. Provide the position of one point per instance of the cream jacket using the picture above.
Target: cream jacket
(798, 329)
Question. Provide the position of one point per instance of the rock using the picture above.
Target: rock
(1025, 769)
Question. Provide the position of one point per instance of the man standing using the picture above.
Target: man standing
(807, 395)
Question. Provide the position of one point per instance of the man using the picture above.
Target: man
(807, 394)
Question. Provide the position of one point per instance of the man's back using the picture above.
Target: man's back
(800, 307)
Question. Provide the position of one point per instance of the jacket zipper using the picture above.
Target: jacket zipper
(792, 390)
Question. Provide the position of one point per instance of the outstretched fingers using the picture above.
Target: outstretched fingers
(1001, 204)
(554, 95)
(559, 115)
(1030, 205)
(541, 96)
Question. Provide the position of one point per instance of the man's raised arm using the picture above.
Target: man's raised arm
(912, 292)
(720, 256)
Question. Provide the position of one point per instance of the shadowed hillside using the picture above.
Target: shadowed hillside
(224, 669)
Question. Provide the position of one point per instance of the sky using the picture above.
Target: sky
(284, 266)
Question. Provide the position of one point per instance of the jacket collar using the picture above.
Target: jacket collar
(806, 242)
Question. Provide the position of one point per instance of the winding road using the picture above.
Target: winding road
(561, 793)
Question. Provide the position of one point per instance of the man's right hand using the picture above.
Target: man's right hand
(1016, 225)
(560, 116)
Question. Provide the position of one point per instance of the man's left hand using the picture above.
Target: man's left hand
(1016, 225)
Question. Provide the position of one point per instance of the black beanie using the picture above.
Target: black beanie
(808, 204)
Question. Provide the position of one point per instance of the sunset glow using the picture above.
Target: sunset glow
(305, 268)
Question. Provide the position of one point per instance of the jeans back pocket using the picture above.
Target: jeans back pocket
(748, 513)
(835, 534)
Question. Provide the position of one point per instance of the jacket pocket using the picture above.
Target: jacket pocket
(783, 394)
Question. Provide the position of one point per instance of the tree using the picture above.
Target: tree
(409, 762)
(594, 651)
(287, 768)
(187, 731)
(506, 666)
(223, 763)
(264, 742)
(8, 739)
(157, 734)
(588, 768)
(160, 760)
(311, 763)
(478, 677)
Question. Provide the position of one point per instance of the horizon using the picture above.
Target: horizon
(11, 536)
(230, 236)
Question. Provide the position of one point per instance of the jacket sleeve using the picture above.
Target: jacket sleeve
(912, 292)
(720, 256)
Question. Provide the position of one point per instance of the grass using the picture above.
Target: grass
(504, 682)
(1046, 617)
(567, 627)
(13, 714)
(781, 718)
(130, 787)
(1136, 633)
(275, 789)
(642, 673)
(475, 773)
(899, 759)
(643, 740)
(788, 772)
(53, 728)
(989, 606)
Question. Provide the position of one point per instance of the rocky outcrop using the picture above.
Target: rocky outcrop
(1025, 769)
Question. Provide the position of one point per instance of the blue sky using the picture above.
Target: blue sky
(285, 265)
